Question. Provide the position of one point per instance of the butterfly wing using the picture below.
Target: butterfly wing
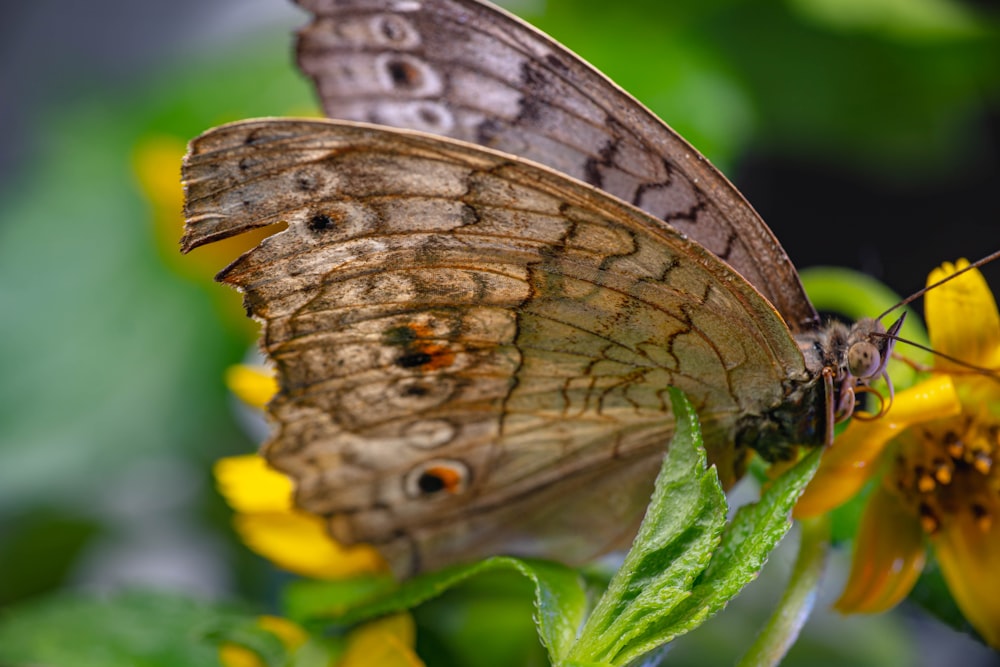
(471, 71)
(472, 349)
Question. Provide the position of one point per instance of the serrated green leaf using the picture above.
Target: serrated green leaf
(750, 537)
(560, 601)
(757, 527)
(152, 629)
(681, 529)
(701, 567)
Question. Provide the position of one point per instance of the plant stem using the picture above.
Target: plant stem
(796, 604)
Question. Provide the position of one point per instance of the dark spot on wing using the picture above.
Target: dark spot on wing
(403, 74)
(556, 63)
(487, 131)
(414, 360)
(430, 483)
(306, 181)
(392, 29)
(415, 390)
(320, 222)
(429, 116)
(255, 136)
(418, 351)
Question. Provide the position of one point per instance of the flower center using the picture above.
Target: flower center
(950, 468)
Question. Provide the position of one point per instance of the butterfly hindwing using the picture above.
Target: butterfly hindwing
(473, 348)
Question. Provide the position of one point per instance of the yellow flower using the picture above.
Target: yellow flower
(156, 163)
(935, 452)
(266, 517)
(269, 524)
(385, 642)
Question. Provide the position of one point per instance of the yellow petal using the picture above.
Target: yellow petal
(889, 555)
(853, 458)
(298, 542)
(386, 642)
(290, 634)
(962, 318)
(254, 385)
(234, 655)
(249, 485)
(269, 524)
(970, 561)
(154, 162)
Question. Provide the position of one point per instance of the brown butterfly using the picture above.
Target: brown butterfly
(473, 349)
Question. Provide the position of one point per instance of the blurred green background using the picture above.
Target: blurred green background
(864, 131)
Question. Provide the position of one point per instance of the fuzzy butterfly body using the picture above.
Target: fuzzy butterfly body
(473, 349)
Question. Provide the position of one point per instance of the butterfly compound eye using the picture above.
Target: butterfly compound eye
(863, 360)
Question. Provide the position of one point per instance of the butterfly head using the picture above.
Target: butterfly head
(870, 347)
(862, 360)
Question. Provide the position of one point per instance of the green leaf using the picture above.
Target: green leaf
(682, 528)
(41, 546)
(486, 622)
(307, 599)
(904, 20)
(249, 635)
(754, 532)
(124, 630)
(560, 602)
(679, 572)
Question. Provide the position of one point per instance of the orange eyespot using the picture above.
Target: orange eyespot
(434, 477)
(438, 478)
(417, 351)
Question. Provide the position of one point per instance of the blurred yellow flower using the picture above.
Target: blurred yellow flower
(289, 634)
(935, 451)
(384, 642)
(266, 517)
(269, 524)
(156, 162)
(254, 385)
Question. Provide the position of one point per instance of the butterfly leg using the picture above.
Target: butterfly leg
(828, 405)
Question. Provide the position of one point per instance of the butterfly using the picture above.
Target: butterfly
(494, 265)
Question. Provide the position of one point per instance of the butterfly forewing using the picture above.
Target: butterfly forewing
(474, 350)
(471, 71)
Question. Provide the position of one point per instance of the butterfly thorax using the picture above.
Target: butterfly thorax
(839, 359)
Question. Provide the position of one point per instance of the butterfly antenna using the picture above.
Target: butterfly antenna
(916, 295)
(972, 368)
(991, 373)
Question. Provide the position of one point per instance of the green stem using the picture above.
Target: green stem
(783, 627)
